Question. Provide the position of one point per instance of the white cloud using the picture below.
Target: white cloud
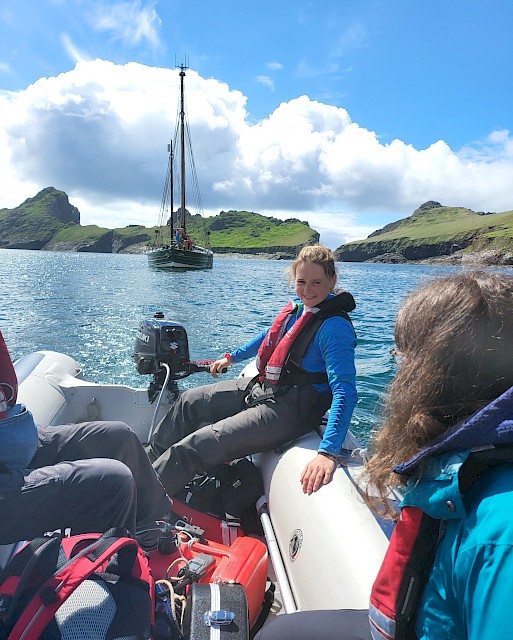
(274, 66)
(129, 22)
(5, 67)
(266, 81)
(71, 49)
(100, 132)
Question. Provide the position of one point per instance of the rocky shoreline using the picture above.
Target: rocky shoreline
(458, 258)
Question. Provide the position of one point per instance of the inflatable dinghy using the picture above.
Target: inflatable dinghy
(322, 551)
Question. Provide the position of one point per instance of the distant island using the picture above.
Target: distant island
(438, 234)
(49, 222)
(433, 233)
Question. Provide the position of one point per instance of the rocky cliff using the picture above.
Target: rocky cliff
(35, 221)
(436, 233)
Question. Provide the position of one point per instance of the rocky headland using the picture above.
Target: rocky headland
(437, 234)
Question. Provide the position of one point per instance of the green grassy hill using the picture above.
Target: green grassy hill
(434, 230)
(36, 221)
(248, 232)
(48, 221)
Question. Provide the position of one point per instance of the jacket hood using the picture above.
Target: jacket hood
(492, 425)
(339, 301)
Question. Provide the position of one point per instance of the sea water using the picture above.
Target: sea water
(88, 305)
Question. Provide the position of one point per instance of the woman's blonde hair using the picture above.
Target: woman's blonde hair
(318, 254)
(455, 337)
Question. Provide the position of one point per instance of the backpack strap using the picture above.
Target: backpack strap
(31, 565)
(57, 589)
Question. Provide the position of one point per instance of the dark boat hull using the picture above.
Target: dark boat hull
(174, 258)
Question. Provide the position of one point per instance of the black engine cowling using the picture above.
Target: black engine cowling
(160, 341)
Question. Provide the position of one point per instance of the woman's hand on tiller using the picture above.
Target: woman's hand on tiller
(218, 365)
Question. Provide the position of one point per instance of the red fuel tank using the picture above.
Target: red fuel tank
(243, 562)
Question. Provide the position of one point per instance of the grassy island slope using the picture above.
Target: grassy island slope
(434, 230)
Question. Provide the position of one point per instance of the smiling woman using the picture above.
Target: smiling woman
(305, 363)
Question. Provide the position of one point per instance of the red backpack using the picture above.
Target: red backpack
(84, 586)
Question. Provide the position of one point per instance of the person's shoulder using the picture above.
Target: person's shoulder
(337, 331)
(495, 483)
(337, 323)
(489, 504)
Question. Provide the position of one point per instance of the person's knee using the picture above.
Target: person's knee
(118, 471)
(96, 494)
(113, 438)
(118, 480)
(204, 445)
(101, 474)
(119, 431)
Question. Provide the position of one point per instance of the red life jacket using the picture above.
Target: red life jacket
(278, 345)
(403, 574)
(270, 359)
(8, 380)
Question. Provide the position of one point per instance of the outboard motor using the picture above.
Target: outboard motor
(159, 341)
(162, 349)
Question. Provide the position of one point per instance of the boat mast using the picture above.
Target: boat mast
(182, 146)
(170, 150)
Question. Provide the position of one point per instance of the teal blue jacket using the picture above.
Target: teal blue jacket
(469, 593)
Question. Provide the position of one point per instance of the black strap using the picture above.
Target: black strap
(264, 612)
(416, 575)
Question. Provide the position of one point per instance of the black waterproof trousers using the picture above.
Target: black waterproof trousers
(87, 477)
(220, 422)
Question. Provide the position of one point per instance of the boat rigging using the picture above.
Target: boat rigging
(177, 250)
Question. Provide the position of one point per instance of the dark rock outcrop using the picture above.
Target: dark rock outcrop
(427, 206)
(56, 203)
(102, 244)
(376, 251)
(119, 245)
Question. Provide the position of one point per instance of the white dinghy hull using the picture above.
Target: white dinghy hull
(330, 542)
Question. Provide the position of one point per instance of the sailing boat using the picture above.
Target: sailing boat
(178, 251)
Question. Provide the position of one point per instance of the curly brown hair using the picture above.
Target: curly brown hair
(455, 337)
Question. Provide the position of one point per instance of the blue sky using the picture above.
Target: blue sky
(346, 113)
